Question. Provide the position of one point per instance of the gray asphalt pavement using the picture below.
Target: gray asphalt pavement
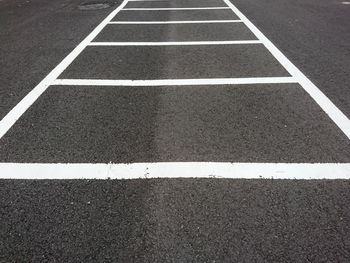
(105, 124)
(174, 220)
(314, 35)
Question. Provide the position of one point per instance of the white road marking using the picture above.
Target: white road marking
(175, 169)
(175, 8)
(174, 82)
(174, 22)
(176, 43)
(10, 119)
(322, 100)
(148, 0)
(299, 171)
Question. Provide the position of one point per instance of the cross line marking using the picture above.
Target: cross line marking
(176, 8)
(174, 22)
(148, 0)
(174, 82)
(177, 43)
(301, 171)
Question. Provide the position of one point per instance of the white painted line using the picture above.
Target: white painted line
(148, 0)
(173, 82)
(176, 8)
(176, 43)
(175, 170)
(326, 104)
(9, 120)
(173, 22)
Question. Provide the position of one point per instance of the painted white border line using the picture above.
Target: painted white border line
(177, 43)
(175, 170)
(173, 22)
(176, 8)
(322, 100)
(173, 82)
(10, 119)
(148, 0)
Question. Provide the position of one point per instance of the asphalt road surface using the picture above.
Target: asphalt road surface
(183, 83)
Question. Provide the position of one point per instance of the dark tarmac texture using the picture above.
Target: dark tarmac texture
(35, 36)
(314, 35)
(175, 220)
(174, 62)
(177, 3)
(175, 32)
(244, 123)
(174, 15)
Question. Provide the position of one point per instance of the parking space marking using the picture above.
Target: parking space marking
(322, 100)
(335, 114)
(177, 43)
(175, 8)
(301, 171)
(174, 82)
(176, 169)
(10, 119)
(174, 22)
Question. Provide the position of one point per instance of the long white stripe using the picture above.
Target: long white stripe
(172, 82)
(175, 8)
(175, 170)
(322, 100)
(9, 120)
(173, 22)
(148, 0)
(176, 43)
